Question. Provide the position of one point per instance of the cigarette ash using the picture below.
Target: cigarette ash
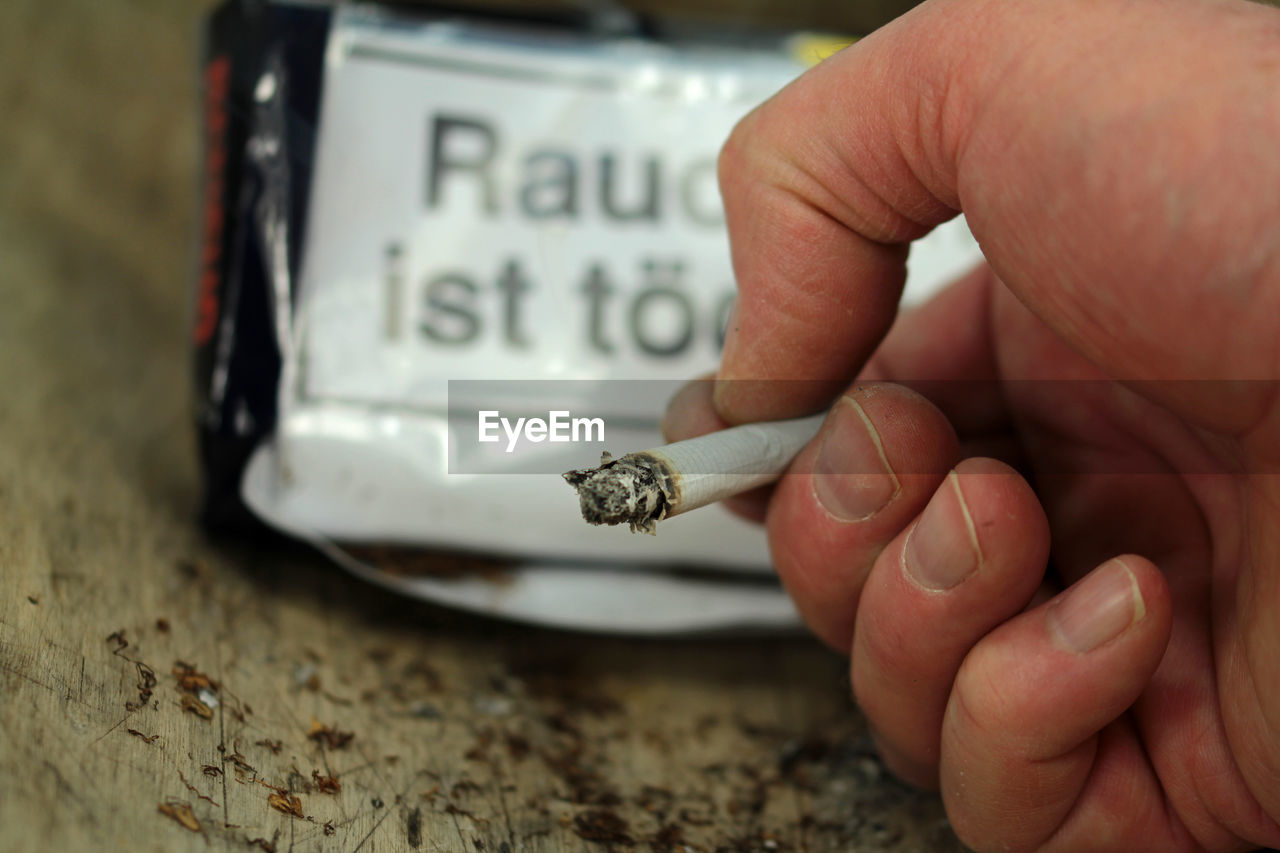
(636, 489)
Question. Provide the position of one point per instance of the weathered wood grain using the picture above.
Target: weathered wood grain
(465, 734)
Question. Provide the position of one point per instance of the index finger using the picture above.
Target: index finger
(819, 251)
(1107, 158)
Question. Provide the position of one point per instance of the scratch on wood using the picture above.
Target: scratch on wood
(371, 831)
(26, 677)
(71, 793)
(370, 763)
(413, 828)
(118, 724)
(457, 825)
(506, 815)
(399, 798)
(222, 732)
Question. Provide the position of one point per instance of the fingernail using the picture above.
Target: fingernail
(1098, 609)
(854, 480)
(942, 548)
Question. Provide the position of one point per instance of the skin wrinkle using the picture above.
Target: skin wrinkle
(1067, 443)
(1207, 753)
(1204, 792)
(889, 224)
(1071, 822)
(1184, 450)
(986, 100)
(1247, 598)
(808, 287)
(787, 310)
(924, 212)
(960, 706)
(938, 115)
(886, 226)
(818, 199)
(959, 703)
(975, 679)
(784, 174)
(915, 202)
(1173, 818)
(813, 216)
(1212, 760)
(1237, 743)
(1076, 821)
(939, 159)
(907, 228)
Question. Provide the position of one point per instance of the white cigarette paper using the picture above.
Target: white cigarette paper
(641, 489)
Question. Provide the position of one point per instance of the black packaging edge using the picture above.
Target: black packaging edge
(236, 356)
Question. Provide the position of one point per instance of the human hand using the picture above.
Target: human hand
(1118, 164)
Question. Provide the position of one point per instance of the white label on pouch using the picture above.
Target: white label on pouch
(517, 208)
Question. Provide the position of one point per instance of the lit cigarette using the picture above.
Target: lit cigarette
(641, 489)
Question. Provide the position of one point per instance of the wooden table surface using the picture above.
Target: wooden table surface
(160, 691)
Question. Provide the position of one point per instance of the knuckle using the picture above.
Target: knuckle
(982, 705)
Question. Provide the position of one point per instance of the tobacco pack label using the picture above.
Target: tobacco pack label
(520, 208)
